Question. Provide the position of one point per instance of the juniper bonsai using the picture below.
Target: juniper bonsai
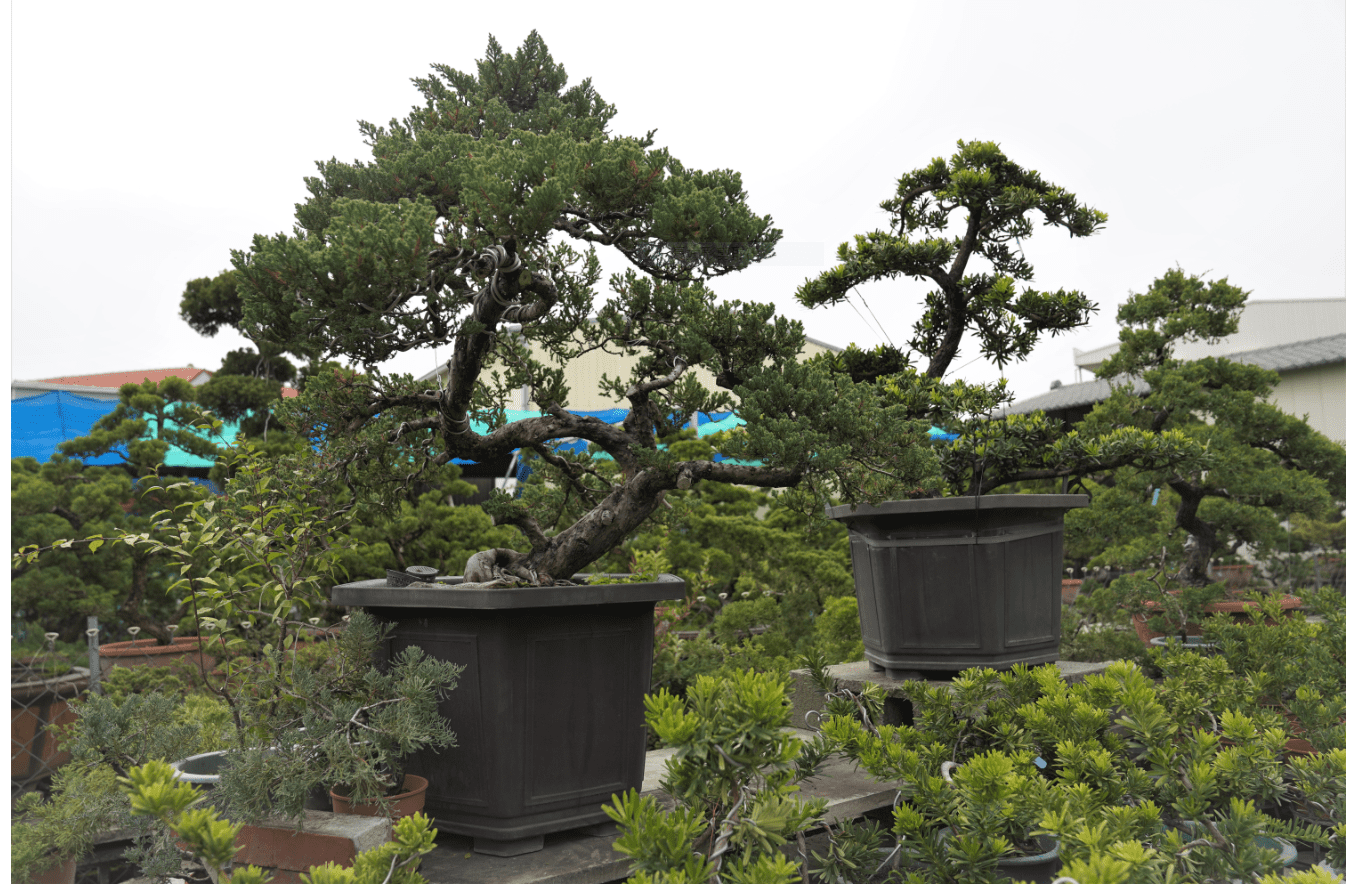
(473, 227)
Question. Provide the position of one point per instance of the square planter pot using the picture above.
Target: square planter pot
(548, 714)
(949, 583)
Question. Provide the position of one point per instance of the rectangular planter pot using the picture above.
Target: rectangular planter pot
(949, 583)
(548, 714)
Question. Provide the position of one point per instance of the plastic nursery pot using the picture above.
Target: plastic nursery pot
(1285, 850)
(1040, 867)
(149, 653)
(945, 584)
(1191, 642)
(401, 805)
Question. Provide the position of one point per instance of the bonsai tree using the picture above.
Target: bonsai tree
(475, 224)
(250, 378)
(1261, 463)
(975, 273)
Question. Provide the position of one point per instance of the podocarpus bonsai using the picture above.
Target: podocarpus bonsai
(1264, 465)
(463, 231)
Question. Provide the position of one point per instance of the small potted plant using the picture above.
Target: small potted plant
(978, 817)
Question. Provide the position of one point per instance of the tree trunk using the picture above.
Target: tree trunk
(1203, 534)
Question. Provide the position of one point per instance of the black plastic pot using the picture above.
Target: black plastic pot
(548, 714)
(949, 583)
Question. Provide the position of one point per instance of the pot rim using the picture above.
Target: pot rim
(962, 504)
(376, 593)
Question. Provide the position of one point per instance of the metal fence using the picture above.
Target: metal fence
(42, 685)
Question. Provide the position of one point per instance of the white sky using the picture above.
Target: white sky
(149, 139)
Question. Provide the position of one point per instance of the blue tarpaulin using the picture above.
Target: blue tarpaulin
(38, 424)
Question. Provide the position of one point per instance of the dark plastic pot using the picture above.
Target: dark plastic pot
(950, 583)
(548, 714)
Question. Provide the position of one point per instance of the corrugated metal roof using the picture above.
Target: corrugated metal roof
(1263, 323)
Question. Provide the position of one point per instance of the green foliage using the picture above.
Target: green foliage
(341, 721)
(83, 803)
(1257, 464)
(469, 218)
(425, 526)
(62, 499)
(996, 196)
(732, 776)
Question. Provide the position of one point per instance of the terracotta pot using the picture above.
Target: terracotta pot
(1070, 588)
(1240, 608)
(59, 871)
(148, 652)
(1234, 576)
(401, 805)
(34, 706)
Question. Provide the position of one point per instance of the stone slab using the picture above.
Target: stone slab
(808, 701)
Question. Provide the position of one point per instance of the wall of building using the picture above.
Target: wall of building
(1320, 393)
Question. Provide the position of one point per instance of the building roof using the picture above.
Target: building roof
(1262, 324)
(1281, 358)
(1068, 396)
(1298, 355)
(190, 373)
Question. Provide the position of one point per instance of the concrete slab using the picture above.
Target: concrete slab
(808, 701)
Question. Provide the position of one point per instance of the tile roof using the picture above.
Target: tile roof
(1298, 355)
(117, 379)
(1281, 358)
(1068, 396)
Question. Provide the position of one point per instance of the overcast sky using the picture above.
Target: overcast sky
(149, 139)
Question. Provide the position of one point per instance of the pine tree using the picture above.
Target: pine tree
(1259, 464)
(475, 223)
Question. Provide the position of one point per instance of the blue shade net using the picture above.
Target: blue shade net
(38, 424)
